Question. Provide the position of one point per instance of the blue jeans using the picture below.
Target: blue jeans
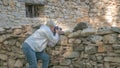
(33, 56)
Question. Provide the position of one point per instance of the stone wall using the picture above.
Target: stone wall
(66, 12)
(106, 12)
(12, 13)
(11, 40)
(87, 48)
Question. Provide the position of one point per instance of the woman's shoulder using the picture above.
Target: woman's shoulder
(44, 27)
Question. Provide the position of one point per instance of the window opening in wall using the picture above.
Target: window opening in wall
(33, 10)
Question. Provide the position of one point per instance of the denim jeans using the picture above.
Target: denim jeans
(33, 56)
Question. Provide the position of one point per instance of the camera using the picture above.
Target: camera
(58, 28)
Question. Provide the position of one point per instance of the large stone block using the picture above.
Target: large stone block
(116, 46)
(2, 30)
(11, 42)
(63, 40)
(18, 64)
(95, 38)
(76, 41)
(115, 29)
(12, 4)
(17, 31)
(117, 51)
(41, 2)
(101, 47)
(79, 64)
(108, 48)
(60, 67)
(99, 58)
(28, 29)
(104, 30)
(90, 49)
(88, 32)
(112, 59)
(71, 54)
(70, 41)
(100, 66)
(106, 64)
(5, 2)
(110, 39)
(75, 34)
(66, 62)
(3, 57)
(2, 38)
(11, 63)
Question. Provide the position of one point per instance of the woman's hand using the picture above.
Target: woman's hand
(58, 31)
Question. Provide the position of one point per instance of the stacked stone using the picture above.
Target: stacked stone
(11, 40)
(105, 12)
(67, 12)
(12, 13)
(86, 48)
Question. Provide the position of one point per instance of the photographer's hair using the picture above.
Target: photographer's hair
(50, 23)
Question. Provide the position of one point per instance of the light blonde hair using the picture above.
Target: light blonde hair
(50, 23)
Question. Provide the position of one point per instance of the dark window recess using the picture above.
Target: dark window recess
(33, 10)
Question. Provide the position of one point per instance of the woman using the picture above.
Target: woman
(33, 46)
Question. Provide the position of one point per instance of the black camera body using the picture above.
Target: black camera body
(58, 28)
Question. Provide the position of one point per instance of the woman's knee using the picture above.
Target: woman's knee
(47, 57)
